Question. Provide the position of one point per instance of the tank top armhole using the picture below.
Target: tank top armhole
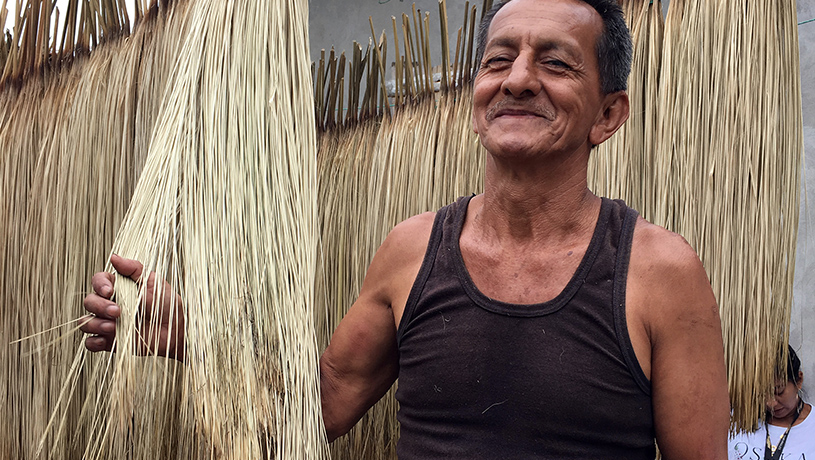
(618, 300)
(424, 273)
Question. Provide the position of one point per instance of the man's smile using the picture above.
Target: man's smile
(507, 108)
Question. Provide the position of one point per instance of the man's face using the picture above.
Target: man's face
(538, 88)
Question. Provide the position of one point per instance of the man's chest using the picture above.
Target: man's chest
(555, 377)
(523, 275)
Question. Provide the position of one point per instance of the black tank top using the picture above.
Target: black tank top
(480, 378)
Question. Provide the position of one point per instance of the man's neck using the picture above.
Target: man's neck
(535, 203)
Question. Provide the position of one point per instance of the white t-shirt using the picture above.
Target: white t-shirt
(800, 442)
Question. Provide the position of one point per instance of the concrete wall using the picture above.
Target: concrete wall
(339, 23)
(802, 330)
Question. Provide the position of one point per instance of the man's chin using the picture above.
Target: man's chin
(516, 144)
(516, 152)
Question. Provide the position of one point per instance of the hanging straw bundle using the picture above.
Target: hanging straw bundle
(229, 176)
(228, 179)
(71, 132)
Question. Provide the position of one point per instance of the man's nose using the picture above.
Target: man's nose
(523, 79)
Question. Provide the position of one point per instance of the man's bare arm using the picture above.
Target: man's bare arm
(672, 303)
(362, 361)
(359, 366)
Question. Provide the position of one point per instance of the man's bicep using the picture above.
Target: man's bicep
(688, 377)
(362, 360)
(359, 365)
(364, 340)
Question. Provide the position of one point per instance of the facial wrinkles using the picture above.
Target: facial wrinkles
(555, 42)
(574, 33)
(539, 45)
(570, 22)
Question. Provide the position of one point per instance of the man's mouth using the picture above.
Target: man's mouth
(504, 109)
(516, 113)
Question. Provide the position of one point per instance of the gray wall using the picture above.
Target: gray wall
(339, 23)
(802, 330)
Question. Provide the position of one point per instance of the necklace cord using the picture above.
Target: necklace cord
(775, 454)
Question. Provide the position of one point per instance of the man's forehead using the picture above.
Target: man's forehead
(540, 14)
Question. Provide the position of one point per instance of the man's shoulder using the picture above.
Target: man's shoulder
(662, 250)
(410, 233)
(667, 275)
(397, 262)
(404, 247)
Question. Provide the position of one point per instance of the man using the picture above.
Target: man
(536, 320)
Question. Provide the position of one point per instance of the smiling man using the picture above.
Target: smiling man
(540, 320)
(535, 320)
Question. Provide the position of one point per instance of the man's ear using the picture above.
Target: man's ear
(614, 114)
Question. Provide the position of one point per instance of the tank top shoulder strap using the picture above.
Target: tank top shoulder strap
(626, 237)
(452, 212)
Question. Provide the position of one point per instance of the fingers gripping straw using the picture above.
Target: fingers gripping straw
(126, 294)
